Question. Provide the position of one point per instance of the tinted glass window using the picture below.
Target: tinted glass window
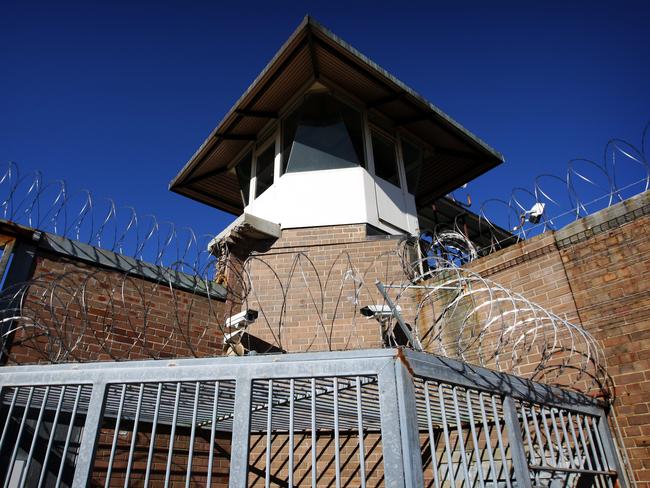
(243, 170)
(412, 165)
(265, 170)
(383, 150)
(322, 133)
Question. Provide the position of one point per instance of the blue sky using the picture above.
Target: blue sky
(115, 97)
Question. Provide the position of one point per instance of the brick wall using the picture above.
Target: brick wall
(96, 314)
(311, 283)
(596, 272)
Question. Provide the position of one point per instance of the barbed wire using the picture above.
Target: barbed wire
(553, 201)
(304, 303)
(50, 206)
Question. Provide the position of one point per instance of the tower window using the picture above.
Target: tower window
(385, 156)
(412, 165)
(323, 133)
(264, 170)
(243, 170)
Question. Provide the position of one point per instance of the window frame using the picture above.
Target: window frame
(295, 103)
(273, 133)
(258, 149)
(395, 139)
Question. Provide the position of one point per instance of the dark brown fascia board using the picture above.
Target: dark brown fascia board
(454, 184)
(206, 199)
(310, 28)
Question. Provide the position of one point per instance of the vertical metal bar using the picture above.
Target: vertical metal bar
(548, 437)
(488, 440)
(91, 427)
(587, 445)
(560, 449)
(459, 429)
(576, 444)
(55, 421)
(269, 433)
(337, 454)
(610, 451)
(190, 455)
(408, 409)
(241, 431)
(443, 414)
(529, 442)
(37, 427)
(362, 450)
(314, 469)
(502, 449)
(109, 470)
(5, 429)
(592, 444)
(20, 433)
(565, 434)
(291, 444)
(390, 429)
(134, 436)
(538, 435)
(584, 442)
(152, 441)
(599, 449)
(172, 434)
(516, 443)
(213, 432)
(599, 445)
(477, 456)
(432, 441)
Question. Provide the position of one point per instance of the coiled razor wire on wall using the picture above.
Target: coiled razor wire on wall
(451, 312)
(50, 206)
(85, 315)
(553, 201)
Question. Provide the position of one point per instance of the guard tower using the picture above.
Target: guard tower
(325, 137)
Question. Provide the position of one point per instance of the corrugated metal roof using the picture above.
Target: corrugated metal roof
(313, 52)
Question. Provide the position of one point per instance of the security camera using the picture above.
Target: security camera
(242, 319)
(379, 312)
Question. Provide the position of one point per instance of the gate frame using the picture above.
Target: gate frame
(394, 368)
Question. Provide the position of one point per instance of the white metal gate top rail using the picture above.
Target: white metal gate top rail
(387, 417)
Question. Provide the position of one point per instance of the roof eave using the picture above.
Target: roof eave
(327, 35)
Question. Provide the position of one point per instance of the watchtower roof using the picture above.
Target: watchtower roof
(313, 53)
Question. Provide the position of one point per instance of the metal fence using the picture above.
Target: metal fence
(356, 418)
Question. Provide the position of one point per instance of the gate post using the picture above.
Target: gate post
(408, 420)
(391, 437)
(89, 435)
(516, 441)
(240, 431)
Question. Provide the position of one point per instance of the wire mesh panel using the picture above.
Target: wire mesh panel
(316, 432)
(41, 431)
(564, 447)
(165, 434)
(463, 436)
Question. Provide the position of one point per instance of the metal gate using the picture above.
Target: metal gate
(357, 418)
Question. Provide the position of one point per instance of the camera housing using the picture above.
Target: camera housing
(242, 319)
